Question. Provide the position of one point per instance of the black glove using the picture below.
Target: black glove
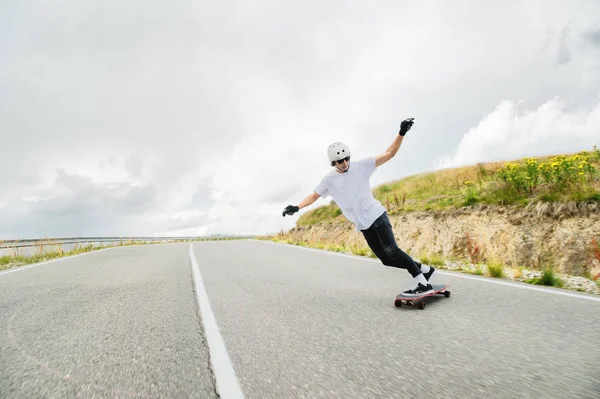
(406, 125)
(290, 210)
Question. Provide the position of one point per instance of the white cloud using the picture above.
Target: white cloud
(34, 198)
(254, 180)
(197, 118)
(512, 131)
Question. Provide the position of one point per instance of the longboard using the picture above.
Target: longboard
(438, 289)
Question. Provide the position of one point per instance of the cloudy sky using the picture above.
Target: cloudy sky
(209, 117)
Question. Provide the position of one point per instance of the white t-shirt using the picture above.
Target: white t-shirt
(351, 191)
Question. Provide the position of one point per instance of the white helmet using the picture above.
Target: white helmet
(337, 151)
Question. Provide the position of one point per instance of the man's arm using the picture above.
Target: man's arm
(390, 152)
(393, 149)
(309, 200)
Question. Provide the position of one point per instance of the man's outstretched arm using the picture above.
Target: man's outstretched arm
(395, 146)
(390, 152)
(309, 200)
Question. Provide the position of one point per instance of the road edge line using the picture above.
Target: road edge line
(227, 383)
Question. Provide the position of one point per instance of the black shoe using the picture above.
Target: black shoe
(429, 275)
(419, 290)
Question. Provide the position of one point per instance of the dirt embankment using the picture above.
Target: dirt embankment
(563, 236)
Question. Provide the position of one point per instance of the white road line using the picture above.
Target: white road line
(19, 268)
(524, 286)
(226, 380)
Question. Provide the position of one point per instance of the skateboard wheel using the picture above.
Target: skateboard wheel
(398, 303)
(421, 305)
(447, 294)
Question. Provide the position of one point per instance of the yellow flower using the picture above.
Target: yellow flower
(531, 161)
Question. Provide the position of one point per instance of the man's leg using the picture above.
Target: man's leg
(394, 256)
(376, 246)
(381, 237)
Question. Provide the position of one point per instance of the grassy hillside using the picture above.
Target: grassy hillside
(561, 178)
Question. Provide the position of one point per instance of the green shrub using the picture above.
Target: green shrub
(496, 270)
(547, 278)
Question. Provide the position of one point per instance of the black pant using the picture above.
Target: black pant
(382, 242)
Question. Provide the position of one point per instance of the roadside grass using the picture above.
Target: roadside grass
(492, 269)
(327, 212)
(8, 261)
(547, 278)
(477, 271)
(432, 260)
(569, 179)
(561, 178)
(495, 270)
(351, 249)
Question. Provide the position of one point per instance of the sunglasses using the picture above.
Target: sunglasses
(341, 161)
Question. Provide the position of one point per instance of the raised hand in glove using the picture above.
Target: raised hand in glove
(290, 210)
(406, 125)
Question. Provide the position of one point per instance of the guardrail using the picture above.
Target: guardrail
(69, 240)
(42, 245)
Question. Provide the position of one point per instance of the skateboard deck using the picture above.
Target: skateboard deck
(438, 289)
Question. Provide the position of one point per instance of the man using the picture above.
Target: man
(348, 185)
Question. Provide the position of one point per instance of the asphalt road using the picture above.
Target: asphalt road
(297, 323)
(307, 324)
(117, 323)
